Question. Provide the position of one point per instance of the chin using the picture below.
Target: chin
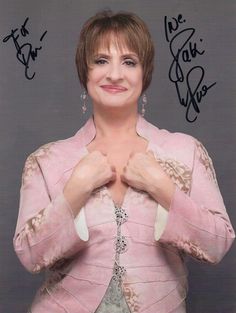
(113, 104)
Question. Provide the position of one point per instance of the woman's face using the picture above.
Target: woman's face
(115, 78)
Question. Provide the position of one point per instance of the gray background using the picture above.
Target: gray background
(48, 108)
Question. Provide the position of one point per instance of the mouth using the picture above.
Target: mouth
(113, 88)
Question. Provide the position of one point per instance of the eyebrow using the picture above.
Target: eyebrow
(123, 56)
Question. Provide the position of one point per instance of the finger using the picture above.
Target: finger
(113, 177)
(122, 178)
(131, 154)
(113, 168)
(124, 169)
(103, 153)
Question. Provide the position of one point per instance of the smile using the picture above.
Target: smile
(113, 88)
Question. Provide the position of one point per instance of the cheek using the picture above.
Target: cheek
(95, 75)
(94, 78)
(137, 79)
(138, 84)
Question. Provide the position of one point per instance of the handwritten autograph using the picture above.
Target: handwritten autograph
(24, 52)
(184, 49)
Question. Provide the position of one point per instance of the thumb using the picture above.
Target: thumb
(113, 168)
(122, 177)
(131, 154)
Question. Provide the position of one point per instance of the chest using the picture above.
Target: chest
(118, 155)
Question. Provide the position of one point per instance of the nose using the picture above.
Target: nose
(115, 72)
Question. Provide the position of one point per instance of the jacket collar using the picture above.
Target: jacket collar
(150, 132)
(88, 131)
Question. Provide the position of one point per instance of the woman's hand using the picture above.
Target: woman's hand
(94, 170)
(91, 172)
(144, 172)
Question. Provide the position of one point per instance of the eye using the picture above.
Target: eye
(100, 61)
(130, 62)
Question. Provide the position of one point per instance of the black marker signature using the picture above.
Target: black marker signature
(24, 52)
(183, 50)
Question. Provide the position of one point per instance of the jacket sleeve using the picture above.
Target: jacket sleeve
(197, 222)
(46, 230)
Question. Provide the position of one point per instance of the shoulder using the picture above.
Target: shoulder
(178, 146)
(189, 143)
(185, 147)
(53, 149)
(61, 153)
(52, 159)
(176, 140)
(180, 139)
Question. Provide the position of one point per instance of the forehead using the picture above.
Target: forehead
(113, 42)
(115, 50)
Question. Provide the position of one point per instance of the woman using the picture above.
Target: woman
(112, 211)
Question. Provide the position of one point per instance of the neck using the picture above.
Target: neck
(115, 125)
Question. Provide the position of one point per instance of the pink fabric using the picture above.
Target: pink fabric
(80, 270)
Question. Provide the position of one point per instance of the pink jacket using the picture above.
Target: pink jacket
(80, 265)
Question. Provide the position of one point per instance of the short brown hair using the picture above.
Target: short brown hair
(128, 28)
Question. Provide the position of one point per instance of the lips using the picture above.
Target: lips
(113, 88)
